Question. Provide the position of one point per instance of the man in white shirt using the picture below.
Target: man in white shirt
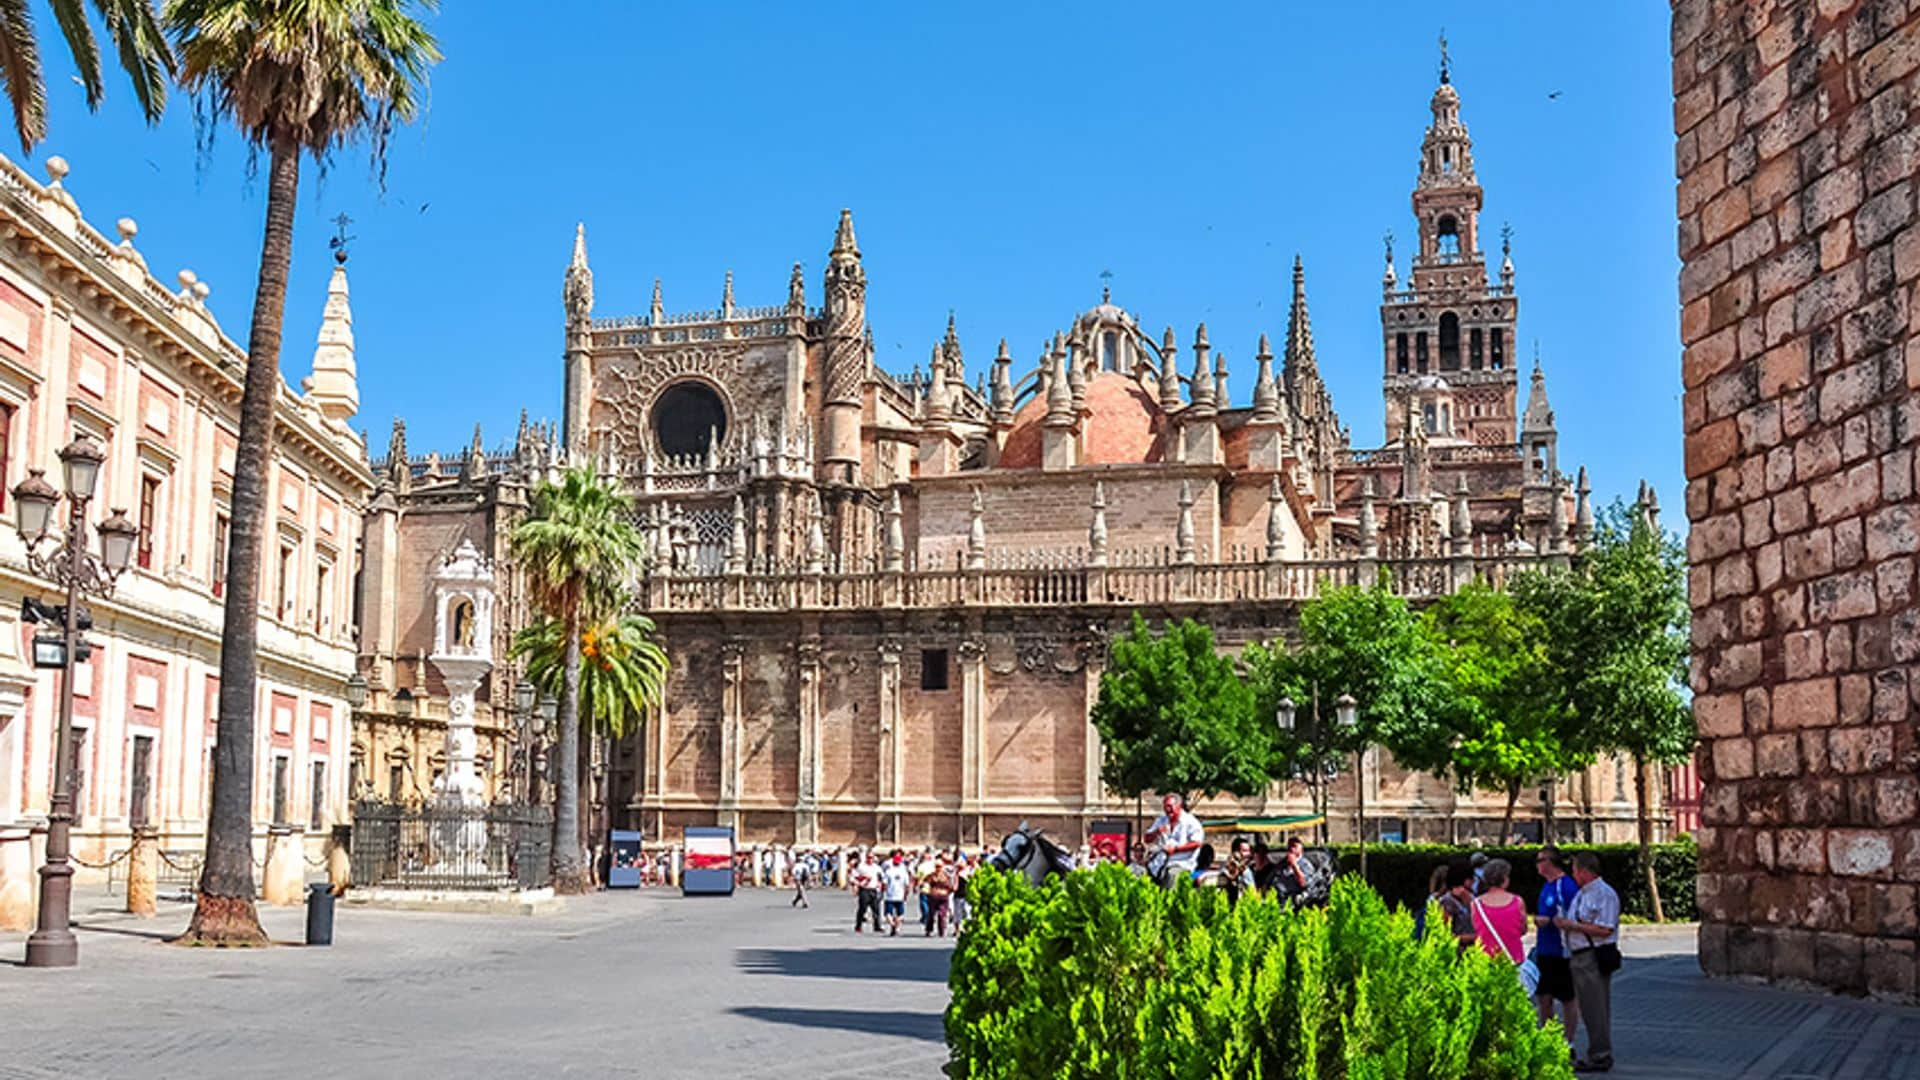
(1178, 835)
(866, 891)
(1591, 927)
(896, 880)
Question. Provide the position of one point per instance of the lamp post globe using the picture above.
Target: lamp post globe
(118, 536)
(82, 459)
(1346, 711)
(356, 691)
(524, 696)
(403, 703)
(33, 502)
(1283, 714)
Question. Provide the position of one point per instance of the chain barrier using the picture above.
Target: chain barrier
(315, 863)
(190, 868)
(111, 862)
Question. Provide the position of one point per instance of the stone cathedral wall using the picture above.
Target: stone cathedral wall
(1797, 152)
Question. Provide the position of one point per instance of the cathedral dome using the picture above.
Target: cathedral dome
(1125, 426)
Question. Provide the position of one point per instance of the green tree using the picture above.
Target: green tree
(136, 37)
(1366, 643)
(1617, 643)
(623, 673)
(576, 548)
(1174, 716)
(1509, 729)
(299, 78)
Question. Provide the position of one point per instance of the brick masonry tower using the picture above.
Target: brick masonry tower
(1796, 156)
(1451, 322)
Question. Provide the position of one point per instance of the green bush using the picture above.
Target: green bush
(1104, 975)
(1400, 871)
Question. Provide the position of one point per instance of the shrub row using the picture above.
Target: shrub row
(1104, 975)
(1400, 871)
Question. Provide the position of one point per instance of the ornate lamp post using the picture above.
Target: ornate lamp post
(357, 688)
(70, 565)
(525, 697)
(547, 711)
(1346, 712)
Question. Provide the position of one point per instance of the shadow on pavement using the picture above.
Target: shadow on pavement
(911, 1025)
(123, 931)
(907, 965)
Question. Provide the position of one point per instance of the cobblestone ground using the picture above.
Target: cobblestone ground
(659, 986)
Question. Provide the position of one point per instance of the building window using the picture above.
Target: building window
(1447, 238)
(6, 443)
(396, 782)
(322, 584)
(1110, 351)
(280, 778)
(206, 782)
(1473, 349)
(1449, 342)
(1499, 349)
(933, 669)
(221, 525)
(1420, 352)
(140, 782)
(285, 590)
(317, 819)
(149, 519)
(1431, 419)
(688, 417)
(1400, 353)
(353, 778)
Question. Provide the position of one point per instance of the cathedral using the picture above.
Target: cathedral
(887, 598)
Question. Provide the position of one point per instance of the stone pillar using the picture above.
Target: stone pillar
(1800, 369)
(732, 722)
(143, 868)
(973, 728)
(461, 781)
(284, 879)
(892, 745)
(806, 824)
(16, 879)
(1094, 793)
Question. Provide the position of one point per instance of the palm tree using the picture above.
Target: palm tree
(136, 38)
(623, 673)
(576, 548)
(299, 77)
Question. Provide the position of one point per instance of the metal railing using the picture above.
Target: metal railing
(452, 847)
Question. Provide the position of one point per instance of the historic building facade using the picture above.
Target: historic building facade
(888, 599)
(92, 344)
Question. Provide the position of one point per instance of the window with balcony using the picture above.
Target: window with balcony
(6, 457)
(283, 590)
(281, 776)
(322, 594)
(221, 525)
(149, 519)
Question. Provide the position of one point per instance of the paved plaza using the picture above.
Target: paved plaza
(656, 985)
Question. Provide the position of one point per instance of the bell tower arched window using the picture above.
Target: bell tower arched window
(1474, 351)
(1420, 351)
(1446, 237)
(1400, 353)
(1449, 342)
(1499, 351)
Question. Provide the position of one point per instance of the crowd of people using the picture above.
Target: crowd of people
(1576, 938)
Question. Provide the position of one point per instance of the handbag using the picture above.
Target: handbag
(1607, 958)
(1530, 976)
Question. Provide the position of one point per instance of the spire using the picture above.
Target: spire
(1169, 372)
(1002, 397)
(1369, 528)
(1506, 256)
(939, 408)
(1077, 372)
(726, 298)
(896, 542)
(1059, 389)
(476, 457)
(1582, 508)
(1266, 396)
(1276, 524)
(397, 470)
(737, 538)
(1200, 387)
(336, 386)
(1462, 519)
(1183, 532)
(578, 290)
(1221, 398)
(844, 245)
(658, 311)
(950, 349)
(1389, 281)
(1097, 529)
(977, 532)
(816, 536)
(1298, 359)
(1539, 414)
(796, 292)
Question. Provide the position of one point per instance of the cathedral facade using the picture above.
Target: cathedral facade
(887, 599)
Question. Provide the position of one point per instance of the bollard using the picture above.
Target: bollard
(143, 869)
(319, 914)
(673, 866)
(753, 866)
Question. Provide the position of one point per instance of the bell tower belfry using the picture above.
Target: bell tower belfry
(1452, 320)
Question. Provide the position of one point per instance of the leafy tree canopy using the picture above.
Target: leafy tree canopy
(1174, 715)
(1509, 727)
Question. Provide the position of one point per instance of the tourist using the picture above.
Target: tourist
(962, 874)
(1237, 876)
(1436, 892)
(1137, 861)
(802, 870)
(1457, 904)
(940, 886)
(1549, 950)
(1499, 916)
(1592, 929)
(1177, 836)
(865, 883)
(922, 875)
(1204, 873)
(1290, 880)
(1479, 862)
(896, 880)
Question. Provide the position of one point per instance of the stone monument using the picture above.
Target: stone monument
(462, 653)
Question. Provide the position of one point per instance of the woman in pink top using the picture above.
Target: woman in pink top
(1500, 917)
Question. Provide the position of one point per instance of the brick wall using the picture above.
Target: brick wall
(1025, 512)
(1796, 157)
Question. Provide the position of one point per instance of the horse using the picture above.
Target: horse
(1028, 851)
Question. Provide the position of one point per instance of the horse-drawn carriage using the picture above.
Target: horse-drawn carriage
(1028, 851)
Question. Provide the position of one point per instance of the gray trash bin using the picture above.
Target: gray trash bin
(319, 913)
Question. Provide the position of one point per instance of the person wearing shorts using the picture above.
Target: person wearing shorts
(896, 880)
(1549, 949)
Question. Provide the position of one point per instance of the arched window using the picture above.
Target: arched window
(1449, 342)
(1446, 419)
(1400, 353)
(1499, 351)
(1109, 351)
(1473, 349)
(1446, 237)
(687, 417)
(1432, 419)
(1420, 351)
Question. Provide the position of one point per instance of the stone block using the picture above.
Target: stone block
(1894, 911)
(1793, 955)
(1837, 961)
(1887, 968)
(1713, 951)
(1803, 850)
(1860, 852)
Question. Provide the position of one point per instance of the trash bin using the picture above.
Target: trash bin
(319, 913)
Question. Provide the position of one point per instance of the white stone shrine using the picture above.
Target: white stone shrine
(463, 654)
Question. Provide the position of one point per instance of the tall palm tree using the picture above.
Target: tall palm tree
(131, 27)
(298, 77)
(576, 548)
(623, 672)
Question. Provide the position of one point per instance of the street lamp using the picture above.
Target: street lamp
(403, 703)
(71, 566)
(525, 697)
(1283, 714)
(1346, 712)
(356, 691)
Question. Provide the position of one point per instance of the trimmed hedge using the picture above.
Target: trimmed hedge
(1400, 871)
(1105, 975)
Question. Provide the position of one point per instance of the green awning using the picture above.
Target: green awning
(1264, 824)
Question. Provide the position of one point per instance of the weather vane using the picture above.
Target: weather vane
(338, 244)
(1106, 286)
(1444, 63)
(1388, 237)
(1506, 238)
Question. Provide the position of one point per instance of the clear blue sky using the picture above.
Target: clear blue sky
(997, 159)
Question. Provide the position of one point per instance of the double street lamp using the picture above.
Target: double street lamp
(68, 564)
(1320, 769)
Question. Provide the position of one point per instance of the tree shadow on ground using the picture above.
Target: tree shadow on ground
(904, 964)
(927, 1027)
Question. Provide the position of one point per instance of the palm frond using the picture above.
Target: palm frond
(144, 55)
(20, 70)
(72, 17)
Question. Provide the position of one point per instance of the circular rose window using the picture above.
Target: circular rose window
(687, 416)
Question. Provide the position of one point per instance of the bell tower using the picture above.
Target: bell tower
(1452, 321)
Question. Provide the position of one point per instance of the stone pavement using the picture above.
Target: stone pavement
(655, 985)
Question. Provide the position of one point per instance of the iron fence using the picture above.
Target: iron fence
(449, 846)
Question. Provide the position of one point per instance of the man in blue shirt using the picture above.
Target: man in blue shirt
(1549, 950)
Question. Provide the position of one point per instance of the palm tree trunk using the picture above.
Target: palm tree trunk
(569, 865)
(224, 913)
(1646, 836)
(1506, 823)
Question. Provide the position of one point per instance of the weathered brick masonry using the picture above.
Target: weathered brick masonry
(1796, 158)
